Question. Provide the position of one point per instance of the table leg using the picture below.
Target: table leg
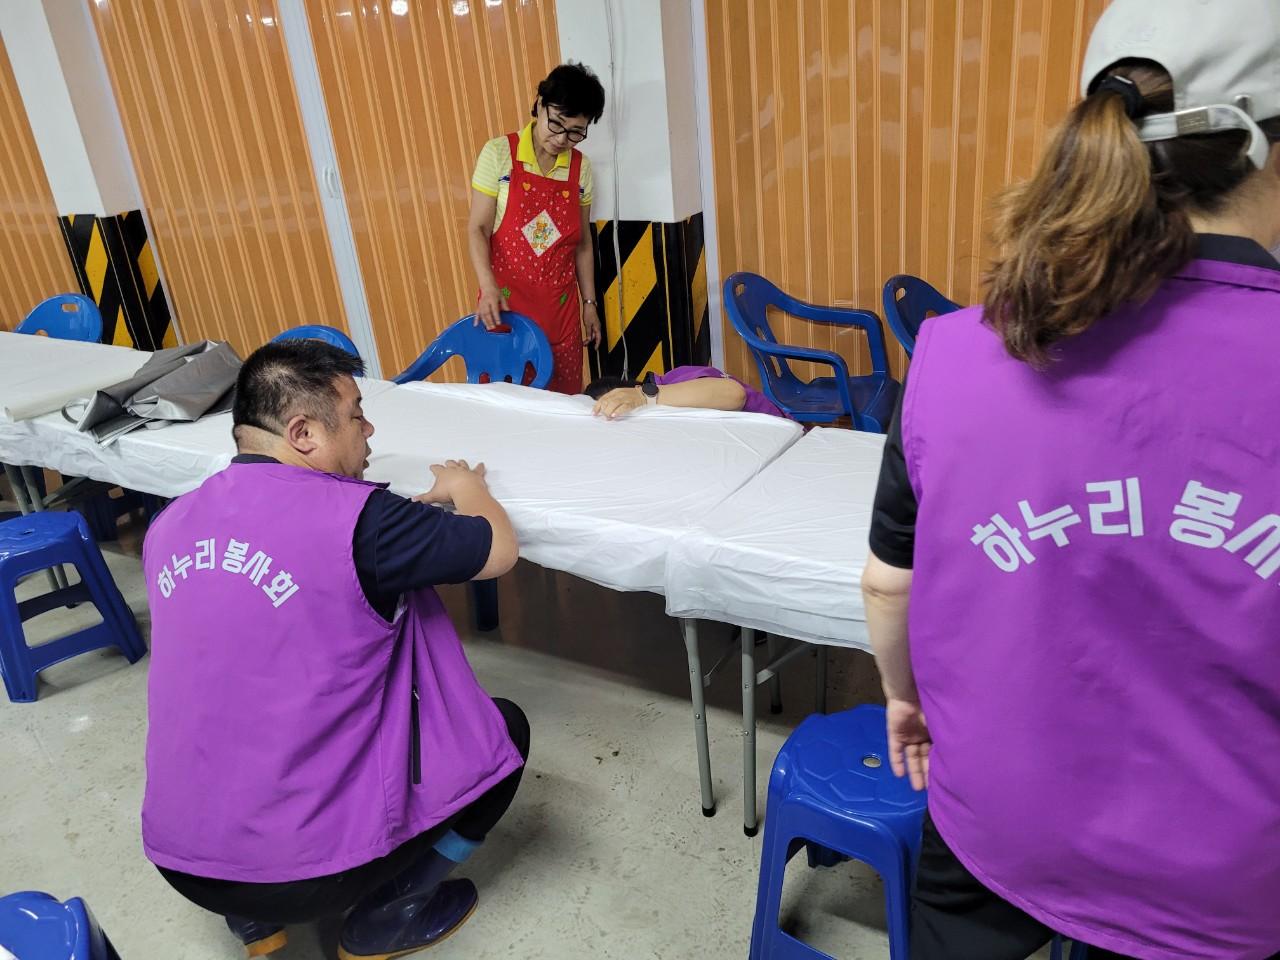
(775, 683)
(749, 824)
(690, 629)
(820, 687)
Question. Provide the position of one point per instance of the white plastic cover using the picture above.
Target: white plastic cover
(170, 460)
(602, 500)
(785, 553)
(599, 499)
(40, 374)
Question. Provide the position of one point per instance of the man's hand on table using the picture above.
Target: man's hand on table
(453, 477)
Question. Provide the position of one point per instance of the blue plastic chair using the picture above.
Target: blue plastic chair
(489, 355)
(318, 331)
(68, 316)
(868, 400)
(36, 542)
(909, 302)
(35, 926)
(832, 787)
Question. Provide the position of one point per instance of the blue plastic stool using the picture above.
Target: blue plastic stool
(489, 355)
(35, 926)
(33, 543)
(68, 316)
(832, 787)
(318, 331)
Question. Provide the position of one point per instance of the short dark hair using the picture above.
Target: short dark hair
(285, 378)
(574, 90)
(599, 387)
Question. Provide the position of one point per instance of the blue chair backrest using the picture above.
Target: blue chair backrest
(318, 331)
(35, 926)
(499, 354)
(748, 297)
(68, 316)
(908, 302)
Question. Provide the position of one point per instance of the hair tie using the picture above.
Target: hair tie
(1134, 103)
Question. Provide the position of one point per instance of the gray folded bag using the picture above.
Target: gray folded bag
(180, 384)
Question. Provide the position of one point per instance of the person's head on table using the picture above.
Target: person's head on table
(297, 402)
(698, 387)
(317, 741)
(1072, 588)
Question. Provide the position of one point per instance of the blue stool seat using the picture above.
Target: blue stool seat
(35, 926)
(36, 542)
(832, 787)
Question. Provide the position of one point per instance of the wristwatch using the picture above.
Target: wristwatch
(650, 390)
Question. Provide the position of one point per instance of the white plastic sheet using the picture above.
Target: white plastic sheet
(785, 553)
(602, 500)
(169, 461)
(40, 374)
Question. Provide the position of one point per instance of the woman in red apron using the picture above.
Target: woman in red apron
(530, 234)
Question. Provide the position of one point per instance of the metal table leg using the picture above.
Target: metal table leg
(690, 629)
(775, 683)
(749, 824)
(820, 689)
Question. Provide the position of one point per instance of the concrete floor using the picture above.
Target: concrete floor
(603, 855)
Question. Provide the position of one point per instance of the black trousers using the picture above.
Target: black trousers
(954, 917)
(304, 901)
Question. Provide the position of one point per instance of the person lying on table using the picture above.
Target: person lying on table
(317, 741)
(704, 387)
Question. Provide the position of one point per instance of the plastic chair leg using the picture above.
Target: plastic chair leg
(110, 602)
(15, 658)
(773, 867)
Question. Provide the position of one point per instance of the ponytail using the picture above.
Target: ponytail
(1105, 218)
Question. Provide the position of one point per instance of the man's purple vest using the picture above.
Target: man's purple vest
(292, 731)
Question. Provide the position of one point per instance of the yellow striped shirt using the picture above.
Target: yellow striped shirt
(492, 175)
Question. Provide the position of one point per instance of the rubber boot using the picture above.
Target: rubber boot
(415, 910)
(259, 938)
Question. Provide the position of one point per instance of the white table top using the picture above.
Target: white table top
(168, 461)
(39, 374)
(785, 553)
(602, 500)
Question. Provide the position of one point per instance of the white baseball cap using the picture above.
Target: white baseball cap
(1223, 56)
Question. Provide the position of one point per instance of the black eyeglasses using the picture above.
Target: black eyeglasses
(557, 128)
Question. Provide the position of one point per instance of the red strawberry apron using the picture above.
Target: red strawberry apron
(532, 254)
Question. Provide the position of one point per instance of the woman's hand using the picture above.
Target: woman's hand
(590, 325)
(909, 741)
(618, 403)
(488, 310)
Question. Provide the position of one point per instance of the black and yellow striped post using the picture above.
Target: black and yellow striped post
(656, 318)
(116, 267)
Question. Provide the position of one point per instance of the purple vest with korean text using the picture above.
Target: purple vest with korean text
(1095, 615)
(292, 731)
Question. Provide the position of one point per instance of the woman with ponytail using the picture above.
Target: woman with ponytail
(1074, 595)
